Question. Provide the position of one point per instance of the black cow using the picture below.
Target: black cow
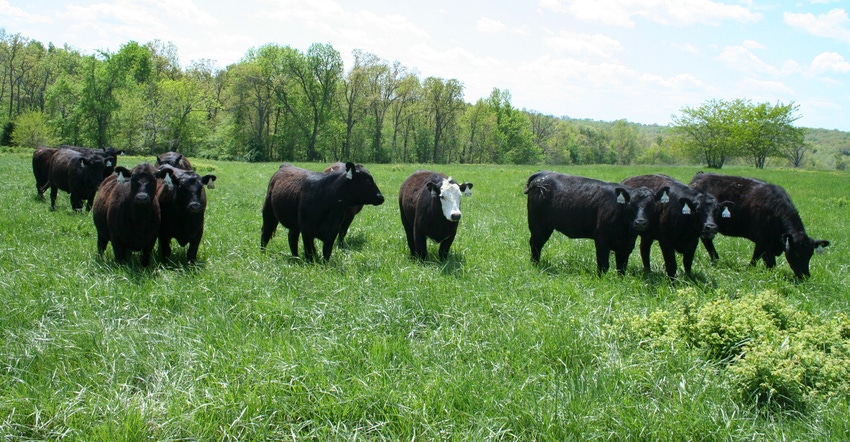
(313, 204)
(126, 211)
(41, 162)
(173, 159)
(611, 214)
(349, 216)
(429, 203)
(687, 215)
(76, 173)
(182, 207)
(765, 215)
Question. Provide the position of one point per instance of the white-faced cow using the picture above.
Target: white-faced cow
(314, 204)
(430, 208)
(126, 211)
(687, 216)
(611, 214)
(349, 216)
(765, 215)
(76, 173)
(183, 206)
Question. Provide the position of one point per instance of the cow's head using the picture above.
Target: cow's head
(799, 249)
(449, 192)
(189, 193)
(704, 211)
(143, 182)
(641, 203)
(362, 186)
(93, 168)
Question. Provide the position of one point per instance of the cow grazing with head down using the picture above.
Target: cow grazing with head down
(182, 207)
(765, 215)
(41, 162)
(77, 173)
(173, 159)
(430, 208)
(349, 216)
(611, 214)
(314, 204)
(687, 216)
(126, 211)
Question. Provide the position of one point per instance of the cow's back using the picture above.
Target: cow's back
(285, 192)
(575, 206)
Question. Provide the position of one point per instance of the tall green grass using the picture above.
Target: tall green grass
(373, 345)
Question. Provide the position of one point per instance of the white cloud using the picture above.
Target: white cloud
(485, 24)
(584, 44)
(675, 12)
(9, 12)
(830, 62)
(186, 11)
(834, 24)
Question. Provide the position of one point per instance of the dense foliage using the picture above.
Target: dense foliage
(279, 103)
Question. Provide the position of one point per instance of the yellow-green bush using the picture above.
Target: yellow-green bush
(775, 354)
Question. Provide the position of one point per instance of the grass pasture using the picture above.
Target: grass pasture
(373, 345)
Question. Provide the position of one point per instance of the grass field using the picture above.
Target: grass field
(373, 345)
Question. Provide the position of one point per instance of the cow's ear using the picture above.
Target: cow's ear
(466, 188)
(663, 195)
(819, 244)
(122, 172)
(209, 181)
(623, 196)
(434, 189)
(349, 170)
(167, 176)
(687, 206)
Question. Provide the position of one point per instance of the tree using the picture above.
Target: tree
(31, 130)
(443, 100)
(709, 131)
(768, 131)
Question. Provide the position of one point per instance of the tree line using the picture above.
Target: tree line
(279, 103)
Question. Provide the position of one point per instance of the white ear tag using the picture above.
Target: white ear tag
(664, 197)
(787, 244)
(349, 174)
(121, 179)
(621, 199)
(819, 249)
(686, 210)
(726, 213)
(467, 192)
(108, 163)
(168, 182)
(211, 184)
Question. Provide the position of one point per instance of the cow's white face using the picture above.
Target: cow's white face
(450, 199)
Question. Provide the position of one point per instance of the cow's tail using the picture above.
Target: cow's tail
(536, 181)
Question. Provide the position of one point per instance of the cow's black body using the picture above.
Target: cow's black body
(183, 207)
(76, 173)
(611, 214)
(314, 204)
(679, 224)
(763, 214)
(126, 212)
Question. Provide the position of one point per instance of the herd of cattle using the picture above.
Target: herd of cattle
(133, 209)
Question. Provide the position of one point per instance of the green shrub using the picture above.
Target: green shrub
(31, 130)
(775, 354)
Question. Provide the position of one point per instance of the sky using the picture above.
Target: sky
(639, 60)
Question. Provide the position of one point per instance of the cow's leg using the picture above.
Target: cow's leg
(343, 228)
(89, 203)
(119, 251)
(645, 252)
(269, 227)
(759, 253)
(101, 244)
(309, 246)
(538, 239)
(709, 247)
(53, 192)
(445, 246)
(76, 202)
(293, 241)
(603, 256)
(327, 248)
(420, 245)
(192, 253)
(164, 247)
(146, 256)
(668, 251)
(769, 260)
(688, 255)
